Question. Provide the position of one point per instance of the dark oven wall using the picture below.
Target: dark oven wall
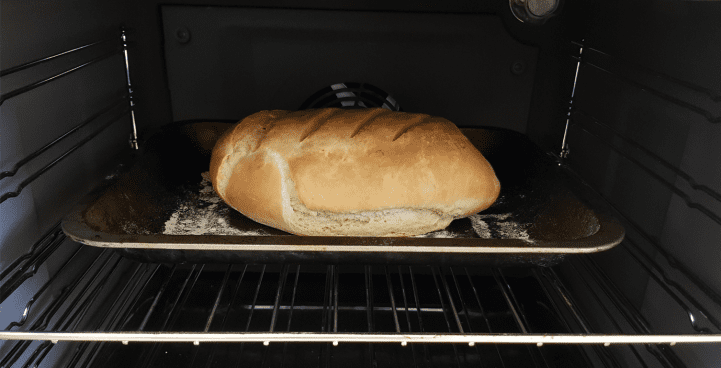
(644, 131)
(32, 30)
(471, 62)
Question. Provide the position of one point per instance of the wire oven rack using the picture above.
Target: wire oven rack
(112, 310)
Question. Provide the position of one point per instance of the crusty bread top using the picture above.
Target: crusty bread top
(350, 161)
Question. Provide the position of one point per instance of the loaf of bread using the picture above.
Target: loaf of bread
(336, 172)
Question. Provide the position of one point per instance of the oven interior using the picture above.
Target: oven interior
(624, 97)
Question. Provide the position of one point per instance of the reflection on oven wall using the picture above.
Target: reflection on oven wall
(645, 113)
(645, 119)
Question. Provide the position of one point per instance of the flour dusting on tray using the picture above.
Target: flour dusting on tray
(203, 213)
(486, 225)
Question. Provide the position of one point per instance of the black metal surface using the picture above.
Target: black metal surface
(343, 299)
(31, 178)
(143, 199)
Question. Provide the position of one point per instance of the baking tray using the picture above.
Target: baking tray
(160, 208)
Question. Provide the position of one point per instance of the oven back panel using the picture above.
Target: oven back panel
(227, 63)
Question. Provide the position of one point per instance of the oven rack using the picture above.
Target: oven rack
(401, 305)
(101, 293)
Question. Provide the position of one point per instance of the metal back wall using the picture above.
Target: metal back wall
(149, 61)
(644, 131)
(231, 62)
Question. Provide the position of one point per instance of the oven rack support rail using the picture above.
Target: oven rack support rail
(121, 106)
(138, 307)
(336, 338)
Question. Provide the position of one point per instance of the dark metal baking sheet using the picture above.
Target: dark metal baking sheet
(142, 211)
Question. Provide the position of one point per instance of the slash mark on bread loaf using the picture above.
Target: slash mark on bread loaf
(264, 129)
(409, 127)
(320, 120)
(267, 183)
(367, 121)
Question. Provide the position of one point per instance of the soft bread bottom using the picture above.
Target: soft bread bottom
(384, 223)
(299, 219)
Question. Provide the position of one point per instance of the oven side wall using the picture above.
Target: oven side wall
(32, 30)
(646, 118)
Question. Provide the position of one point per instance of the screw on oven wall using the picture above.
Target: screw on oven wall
(518, 67)
(182, 34)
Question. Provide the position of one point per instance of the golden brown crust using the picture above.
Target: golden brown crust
(334, 161)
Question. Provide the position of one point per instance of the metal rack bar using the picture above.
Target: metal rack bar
(290, 314)
(369, 311)
(708, 115)
(715, 96)
(631, 314)
(209, 320)
(172, 316)
(160, 293)
(30, 64)
(335, 301)
(67, 320)
(224, 321)
(283, 275)
(511, 305)
(44, 148)
(692, 319)
(250, 315)
(47, 167)
(582, 277)
(392, 299)
(108, 316)
(217, 298)
(445, 316)
(483, 313)
(407, 312)
(16, 92)
(453, 301)
(327, 297)
(281, 285)
(571, 304)
(325, 319)
(425, 338)
(47, 239)
(31, 302)
(43, 320)
(40, 252)
(520, 318)
(450, 300)
(465, 312)
(119, 316)
(129, 312)
(558, 312)
(419, 311)
(331, 307)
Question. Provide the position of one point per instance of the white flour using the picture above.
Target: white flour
(203, 213)
(205, 217)
(482, 225)
(440, 234)
(505, 229)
